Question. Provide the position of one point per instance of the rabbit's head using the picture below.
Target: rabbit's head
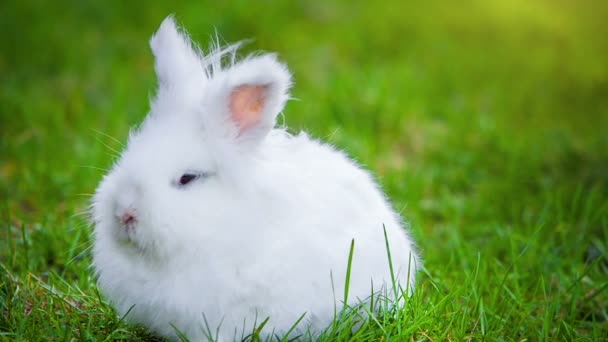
(179, 176)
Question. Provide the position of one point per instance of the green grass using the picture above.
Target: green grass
(486, 122)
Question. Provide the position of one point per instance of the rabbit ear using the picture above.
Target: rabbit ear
(246, 105)
(177, 62)
(253, 93)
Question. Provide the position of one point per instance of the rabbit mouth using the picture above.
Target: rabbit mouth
(129, 230)
(126, 223)
(129, 241)
(126, 229)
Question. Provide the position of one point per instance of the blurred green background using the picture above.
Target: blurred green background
(485, 121)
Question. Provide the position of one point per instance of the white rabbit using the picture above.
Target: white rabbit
(212, 218)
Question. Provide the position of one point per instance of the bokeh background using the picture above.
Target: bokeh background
(485, 121)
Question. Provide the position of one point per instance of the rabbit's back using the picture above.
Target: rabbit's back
(325, 201)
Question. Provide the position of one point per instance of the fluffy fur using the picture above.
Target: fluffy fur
(257, 233)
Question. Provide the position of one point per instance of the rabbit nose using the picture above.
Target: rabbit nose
(128, 218)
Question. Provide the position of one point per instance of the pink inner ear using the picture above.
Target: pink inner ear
(247, 104)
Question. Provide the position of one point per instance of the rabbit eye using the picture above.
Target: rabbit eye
(187, 178)
(191, 176)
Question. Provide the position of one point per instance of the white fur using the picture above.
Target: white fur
(260, 234)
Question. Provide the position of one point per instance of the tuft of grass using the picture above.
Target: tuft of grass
(485, 122)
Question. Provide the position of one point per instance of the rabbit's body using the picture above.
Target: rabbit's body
(262, 228)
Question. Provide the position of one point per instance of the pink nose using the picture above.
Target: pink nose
(128, 218)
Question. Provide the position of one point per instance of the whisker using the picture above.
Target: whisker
(93, 167)
(84, 194)
(107, 146)
(108, 136)
(80, 254)
(83, 252)
(113, 156)
(80, 214)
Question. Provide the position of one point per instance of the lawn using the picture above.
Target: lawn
(486, 123)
